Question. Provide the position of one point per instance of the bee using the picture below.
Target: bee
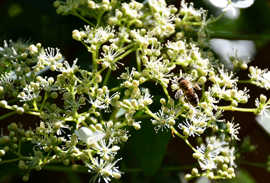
(191, 92)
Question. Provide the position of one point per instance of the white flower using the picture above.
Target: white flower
(66, 68)
(196, 126)
(106, 149)
(232, 5)
(165, 121)
(103, 169)
(97, 36)
(89, 136)
(243, 50)
(50, 56)
(260, 77)
(215, 153)
(108, 57)
(29, 93)
(7, 78)
(158, 69)
(103, 101)
(264, 119)
(233, 130)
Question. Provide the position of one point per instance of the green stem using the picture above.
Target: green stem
(124, 55)
(99, 18)
(7, 115)
(184, 138)
(78, 169)
(215, 19)
(138, 60)
(10, 102)
(245, 81)
(82, 18)
(115, 88)
(44, 100)
(9, 161)
(107, 77)
(35, 105)
(260, 165)
(94, 60)
(165, 90)
(32, 113)
(147, 111)
(165, 169)
(232, 108)
(15, 159)
(192, 23)
(237, 35)
(82, 169)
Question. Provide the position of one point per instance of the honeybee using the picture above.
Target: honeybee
(190, 91)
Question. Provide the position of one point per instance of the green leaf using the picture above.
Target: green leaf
(243, 177)
(146, 148)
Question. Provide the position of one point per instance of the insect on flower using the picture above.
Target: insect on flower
(191, 91)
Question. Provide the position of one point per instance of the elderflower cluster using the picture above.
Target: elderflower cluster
(260, 77)
(145, 67)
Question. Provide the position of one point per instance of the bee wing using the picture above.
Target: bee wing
(178, 93)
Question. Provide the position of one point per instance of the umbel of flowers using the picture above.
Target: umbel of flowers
(84, 121)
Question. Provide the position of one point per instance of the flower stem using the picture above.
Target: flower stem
(183, 137)
(147, 111)
(94, 61)
(78, 168)
(245, 81)
(138, 60)
(82, 18)
(124, 55)
(215, 19)
(44, 100)
(232, 108)
(165, 91)
(260, 165)
(7, 115)
(107, 77)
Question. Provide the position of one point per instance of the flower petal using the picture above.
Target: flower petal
(242, 3)
(219, 3)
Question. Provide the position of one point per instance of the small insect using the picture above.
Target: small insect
(190, 91)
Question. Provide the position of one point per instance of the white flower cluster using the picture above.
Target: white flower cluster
(216, 157)
(86, 115)
(260, 77)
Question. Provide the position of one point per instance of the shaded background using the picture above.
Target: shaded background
(37, 21)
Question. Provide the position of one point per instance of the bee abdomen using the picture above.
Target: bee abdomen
(192, 97)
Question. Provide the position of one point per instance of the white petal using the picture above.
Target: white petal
(97, 136)
(219, 3)
(203, 180)
(88, 136)
(242, 49)
(232, 13)
(264, 121)
(242, 3)
(83, 133)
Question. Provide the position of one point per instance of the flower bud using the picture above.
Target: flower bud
(33, 49)
(137, 126)
(2, 152)
(263, 99)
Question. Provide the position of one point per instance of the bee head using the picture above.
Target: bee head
(184, 84)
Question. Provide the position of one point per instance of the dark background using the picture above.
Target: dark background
(37, 21)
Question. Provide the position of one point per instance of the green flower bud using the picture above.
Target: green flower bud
(25, 178)
(2, 152)
(4, 140)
